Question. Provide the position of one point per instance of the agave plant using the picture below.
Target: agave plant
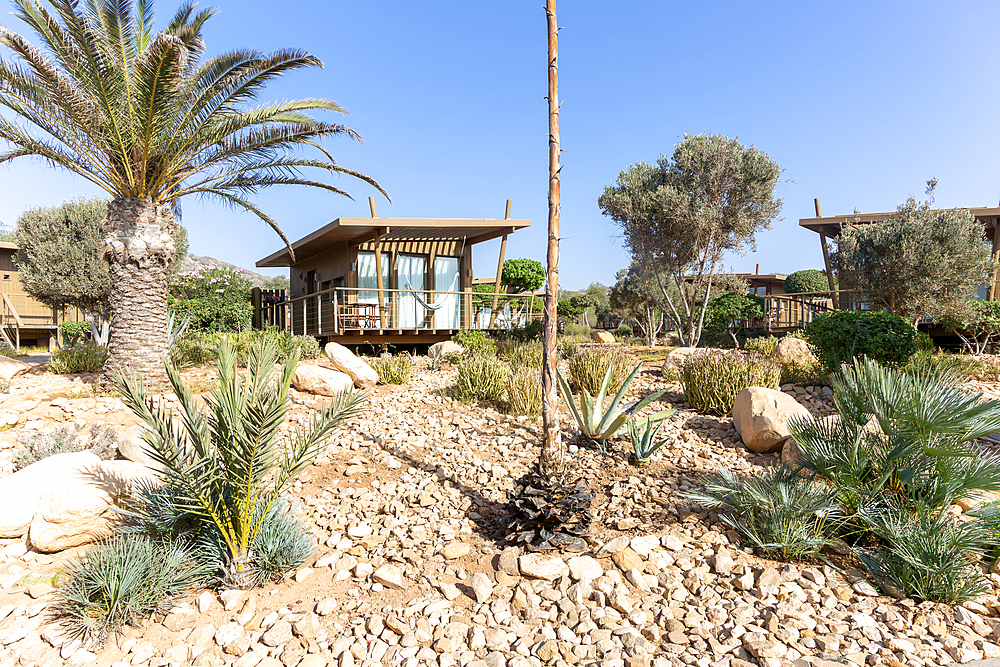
(596, 422)
(226, 467)
(644, 442)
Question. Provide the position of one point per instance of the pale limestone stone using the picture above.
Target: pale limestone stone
(760, 416)
(344, 360)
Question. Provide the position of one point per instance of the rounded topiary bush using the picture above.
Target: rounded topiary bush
(843, 335)
(806, 281)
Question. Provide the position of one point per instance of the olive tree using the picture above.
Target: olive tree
(683, 214)
(632, 297)
(807, 281)
(923, 262)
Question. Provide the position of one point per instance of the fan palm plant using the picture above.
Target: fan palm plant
(226, 467)
(146, 118)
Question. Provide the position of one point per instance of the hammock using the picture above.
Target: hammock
(429, 306)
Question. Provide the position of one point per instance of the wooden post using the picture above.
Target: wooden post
(992, 291)
(826, 260)
(371, 205)
(552, 455)
(378, 273)
(496, 283)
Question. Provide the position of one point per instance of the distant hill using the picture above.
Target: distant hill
(193, 262)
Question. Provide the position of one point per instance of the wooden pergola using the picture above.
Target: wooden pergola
(828, 227)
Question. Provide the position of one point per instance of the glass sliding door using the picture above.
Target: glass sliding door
(410, 274)
(367, 285)
(446, 279)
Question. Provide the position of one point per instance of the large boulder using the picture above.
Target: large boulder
(445, 348)
(319, 380)
(345, 361)
(794, 351)
(80, 509)
(11, 367)
(20, 492)
(760, 416)
(602, 337)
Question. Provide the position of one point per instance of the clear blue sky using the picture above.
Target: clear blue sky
(859, 102)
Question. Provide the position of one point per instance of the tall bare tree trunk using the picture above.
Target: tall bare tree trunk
(139, 246)
(552, 457)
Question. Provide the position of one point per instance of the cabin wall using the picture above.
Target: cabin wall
(330, 265)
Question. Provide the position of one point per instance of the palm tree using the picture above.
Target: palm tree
(146, 118)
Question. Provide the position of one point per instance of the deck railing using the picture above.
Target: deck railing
(341, 310)
(20, 312)
(783, 312)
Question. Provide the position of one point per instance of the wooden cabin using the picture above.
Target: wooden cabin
(23, 320)
(382, 280)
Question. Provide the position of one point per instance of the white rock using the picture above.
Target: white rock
(760, 417)
(602, 337)
(79, 509)
(445, 348)
(346, 361)
(482, 587)
(228, 633)
(390, 576)
(319, 380)
(584, 567)
(11, 367)
(793, 350)
(20, 492)
(540, 566)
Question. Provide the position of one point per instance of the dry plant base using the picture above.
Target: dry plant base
(550, 512)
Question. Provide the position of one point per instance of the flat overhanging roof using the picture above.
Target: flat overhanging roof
(360, 230)
(830, 225)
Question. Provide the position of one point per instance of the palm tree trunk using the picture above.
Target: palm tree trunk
(552, 447)
(139, 246)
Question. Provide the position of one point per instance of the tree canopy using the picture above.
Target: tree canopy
(683, 214)
(59, 255)
(923, 262)
(632, 297)
(524, 275)
(807, 281)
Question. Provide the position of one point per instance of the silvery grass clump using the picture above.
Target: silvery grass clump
(217, 515)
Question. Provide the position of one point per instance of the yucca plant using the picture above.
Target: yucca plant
(776, 511)
(226, 465)
(597, 422)
(712, 381)
(644, 442)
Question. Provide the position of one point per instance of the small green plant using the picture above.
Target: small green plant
(623, 331)
(123, 580)
(574, 329)
(927, 555)
(481, 378)
(793, 372)
(392, 369)
(712, 381)
(524, 391)
(776, 511)
(475, 341)
(843, 335)
(35, 446)
(72, 332)
(761, 345)
(196, 348)
(8, 351)
(4, 385)
(228, 467)
(86, 357)
(434, 359)
(587, 367)
(568, 345)
(597, 422)
(644, 442)
(521, 355)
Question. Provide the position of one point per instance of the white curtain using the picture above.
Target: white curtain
(367, 286)
(410, 276)
(446, 280)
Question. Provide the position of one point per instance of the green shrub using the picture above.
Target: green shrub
(623, 331)
(7, 351)
(712, 381)
(574, 329)
(588, 366)
(524, 391)
(481, 378)
(531, 331)
(924, 343)
(792, 372)
(216, 299)
(475, 341)
(393, 369)
(87, 357)
(776, 511)
(73, 332)
(843, 335)
(123, 580)
(198, 348)
(568, 345)
(761, 345)
(38, 445)
(985, 368)
(807, 281)
(521, 355)
(222, 488)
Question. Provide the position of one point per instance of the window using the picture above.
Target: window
(323, 287)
